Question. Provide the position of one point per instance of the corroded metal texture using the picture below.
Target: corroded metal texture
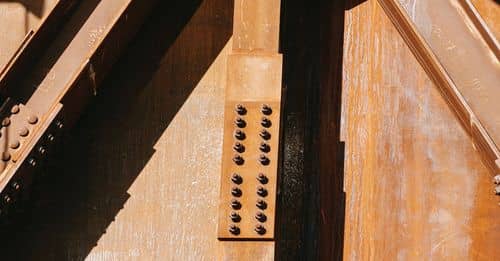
(254, 79)
(65, 74)
(461, 56)
(257, 168)
(415, 187)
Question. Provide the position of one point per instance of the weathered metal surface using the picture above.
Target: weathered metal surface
(31, 48)
(460, 54)
(253, 79)
(17, 19)
(69, 70)
(416, 188)
(248, 76)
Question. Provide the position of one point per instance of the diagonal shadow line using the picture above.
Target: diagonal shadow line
(71, 209)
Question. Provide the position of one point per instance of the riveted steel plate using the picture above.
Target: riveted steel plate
(250, 148)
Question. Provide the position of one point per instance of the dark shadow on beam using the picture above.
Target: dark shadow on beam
(311, 203)
(73, 206)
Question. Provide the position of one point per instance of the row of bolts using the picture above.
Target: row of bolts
(262, 178)
(23, 132)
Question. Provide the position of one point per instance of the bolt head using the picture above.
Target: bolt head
(262, 178)
(496, 179)
(6, 122)
(239, 134)
(233, 229)
(266, 109)
(41, 150)
(240, 123)
(235, 217)
(14, 144)
(59, 124)
(265, 122)
(16, 186)
(238, 147)
(32, 119)
(264, 160)
(15, 109)
(238, 160)
(236, 192)
(240, 109)
(261, 204)
(265, 134)
(236, 179)
(261, 217)
(264, 147)
(235, 204)
(23, 132)
(32, 162)
(261, 191)
(260, 229)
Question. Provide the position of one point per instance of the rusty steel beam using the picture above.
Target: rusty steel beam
(34, 43)
(461, 56)
(249, 178)
(43, 96)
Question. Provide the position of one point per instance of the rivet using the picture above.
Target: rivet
(15, 185)
(240, 109)
(6, 156)
(264, 147)
(235, 204)
(260, 229)
(14, 144)
(497, 191)
(23, 132)
(32, 162)
(266, 110)
(261, 191)
(238, 160)
(261, 217)
(239, 134)
(496, 179)
(265, 122)
(32, 119)
(240, 123)
(7, 199)
(236, 179)
(262, 178)
(235, 217)
(264, 160)
(41, 150)
(59, 124)
(261, 204)
(236, 192)
(6, 122)
(234, 230)
(238, 147)
(50, 137)
(265, 134)
(14, 109)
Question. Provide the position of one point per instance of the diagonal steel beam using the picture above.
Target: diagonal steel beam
(460, 55)
(51, 78)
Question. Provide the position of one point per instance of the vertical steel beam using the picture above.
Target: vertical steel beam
(251, 134)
